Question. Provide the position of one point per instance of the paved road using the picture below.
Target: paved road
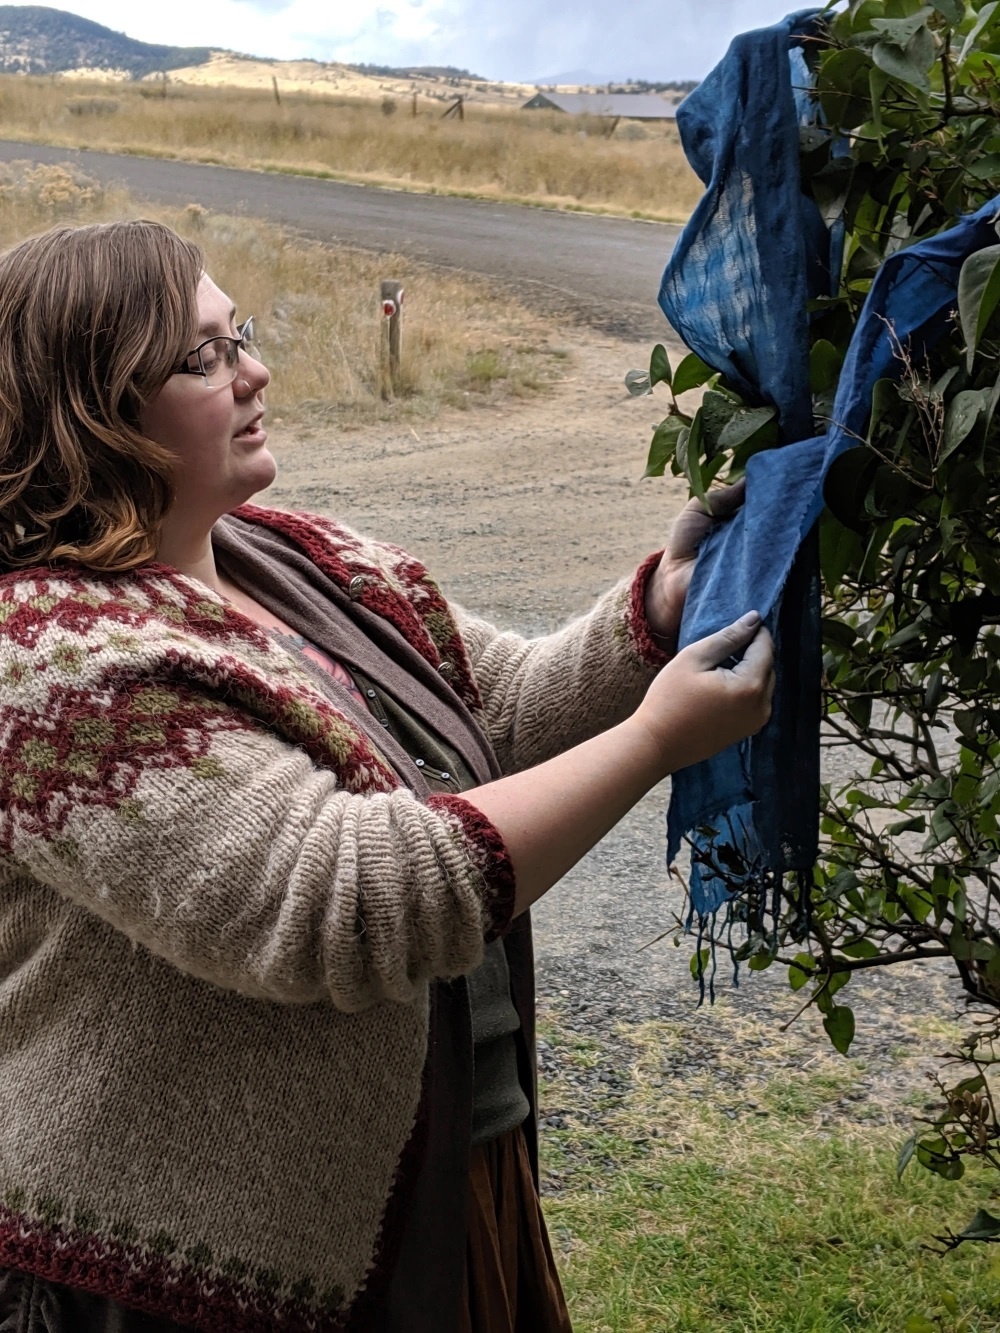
(605, 271)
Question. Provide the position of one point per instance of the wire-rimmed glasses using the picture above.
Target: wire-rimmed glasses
(217, 359)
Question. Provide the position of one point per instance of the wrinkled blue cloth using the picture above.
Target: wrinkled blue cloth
(736, 291)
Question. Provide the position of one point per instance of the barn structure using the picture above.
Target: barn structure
(612, 106)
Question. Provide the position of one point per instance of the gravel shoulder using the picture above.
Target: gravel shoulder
(525, 512)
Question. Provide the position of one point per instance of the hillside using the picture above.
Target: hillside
(37, 40)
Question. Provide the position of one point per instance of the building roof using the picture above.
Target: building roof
(631, 106)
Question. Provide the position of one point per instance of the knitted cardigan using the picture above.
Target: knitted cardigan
(220, 912)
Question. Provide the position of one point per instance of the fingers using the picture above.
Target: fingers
(713, 650)
(726, 500)
(757, 664)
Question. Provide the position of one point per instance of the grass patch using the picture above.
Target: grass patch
(525, 157)
(672, 1211)
(318, 310)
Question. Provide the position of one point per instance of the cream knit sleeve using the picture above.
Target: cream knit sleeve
(542, 696)
(223, 848)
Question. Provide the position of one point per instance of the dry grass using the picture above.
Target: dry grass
(317, 309)
(530, 157)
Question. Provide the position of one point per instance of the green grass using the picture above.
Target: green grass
(791, 1221)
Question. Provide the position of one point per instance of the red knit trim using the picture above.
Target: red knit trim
(144, 1281)
(429, 628)
(638, 624)
(492, 858)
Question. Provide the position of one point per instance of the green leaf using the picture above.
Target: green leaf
(663, 445)
(691, 374)
(699, 961)
(952, 11)
(961, 417)
(825, 361)
(878, 81)
(917, 1323)
(839, 1024)
(637, 383)
(843, 89)
(900, 32)
(744, 424)
(659, 366)
(984, 1226)
(905, 1157)
(801, 970)
(761, 961)
(898, 65)
(689, 457)
(978, 295)
(860, 949)
(986, 15)
(915, 824)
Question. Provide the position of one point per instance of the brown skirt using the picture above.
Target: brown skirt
(511, 1283)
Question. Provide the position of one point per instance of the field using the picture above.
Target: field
(495, 153)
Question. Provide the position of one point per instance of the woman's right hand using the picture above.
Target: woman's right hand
(551, 815)
(696, 706)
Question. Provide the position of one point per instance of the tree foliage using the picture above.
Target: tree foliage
(910, 545)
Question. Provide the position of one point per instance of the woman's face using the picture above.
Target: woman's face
(214, 432)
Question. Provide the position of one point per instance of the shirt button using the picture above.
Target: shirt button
(445, 777)
(356, 587)
(446, 669)
(370, 693)
(419, 763)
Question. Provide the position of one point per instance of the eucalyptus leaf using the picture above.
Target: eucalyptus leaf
(984, 1226)
(952, 11)
(900, 32)
(839, 1025)
(898, 65)
(986, 17)
(637, 383)
(659, 366)
(663, 446)
(961, 416)
(744, 424)
(978, 296)
(691, 374)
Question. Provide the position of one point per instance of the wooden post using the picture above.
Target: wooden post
(457, 108)
(391, 295)
(413, 110)
(274, 85)
(165, 81)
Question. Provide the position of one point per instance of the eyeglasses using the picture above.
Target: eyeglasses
(217, 359)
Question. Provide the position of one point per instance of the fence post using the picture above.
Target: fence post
(413, 112)
(277, 95)
(391, 295)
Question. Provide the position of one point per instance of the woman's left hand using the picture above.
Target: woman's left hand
(667, 588)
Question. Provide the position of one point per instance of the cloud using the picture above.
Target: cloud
(512, 39)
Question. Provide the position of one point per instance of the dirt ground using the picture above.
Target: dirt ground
(525, 513)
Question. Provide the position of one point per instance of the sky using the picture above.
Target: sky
(519, 40)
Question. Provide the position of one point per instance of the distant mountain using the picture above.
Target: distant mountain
(570, 76)
(37, 40)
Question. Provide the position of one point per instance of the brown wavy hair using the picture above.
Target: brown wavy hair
(92, 322)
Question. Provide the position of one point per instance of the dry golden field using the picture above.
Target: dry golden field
(523, 156)
(317, 309)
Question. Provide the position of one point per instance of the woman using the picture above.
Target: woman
(265, 964)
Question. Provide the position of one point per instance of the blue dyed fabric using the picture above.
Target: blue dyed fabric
(736, 290)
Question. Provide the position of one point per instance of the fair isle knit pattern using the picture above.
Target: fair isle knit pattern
(220, 909)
